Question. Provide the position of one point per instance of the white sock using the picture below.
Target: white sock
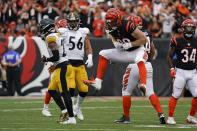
(64, 111)
(79, 101)
(46, 106)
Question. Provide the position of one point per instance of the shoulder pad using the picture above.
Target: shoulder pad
(52, 38)
(130, 26)
(85, 30)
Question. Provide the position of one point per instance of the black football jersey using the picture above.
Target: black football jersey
(185, 52)
(123, 33)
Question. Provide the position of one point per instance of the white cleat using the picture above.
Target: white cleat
(191, 120)
(171, 121)
(71, 120)
(77, 112)
(97, 83)
(46, 112)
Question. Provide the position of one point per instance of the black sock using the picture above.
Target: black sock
(57, 99)
(68, 103)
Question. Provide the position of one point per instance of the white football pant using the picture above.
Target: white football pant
(185, 78)
(131, 79)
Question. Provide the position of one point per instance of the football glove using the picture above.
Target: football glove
(51, 69)
(89, 62)
(44, 59)
(127, 45)
(172, 72)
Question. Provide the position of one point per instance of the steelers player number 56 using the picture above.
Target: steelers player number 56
(74, 45)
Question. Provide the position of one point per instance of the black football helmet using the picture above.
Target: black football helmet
(188, 27)
(73, 21)
(46, 26)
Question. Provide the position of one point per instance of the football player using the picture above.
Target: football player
(57, 50)
(129, 44)
(61, 23)
(131, 79)
(184, 72)
(79, 44)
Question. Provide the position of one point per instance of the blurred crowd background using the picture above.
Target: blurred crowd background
(161, 17)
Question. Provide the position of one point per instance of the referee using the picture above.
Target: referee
(11, 60)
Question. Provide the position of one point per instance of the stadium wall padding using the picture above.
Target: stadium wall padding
(34, 77)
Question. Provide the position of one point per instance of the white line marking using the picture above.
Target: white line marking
(90, 107)
(85, 129)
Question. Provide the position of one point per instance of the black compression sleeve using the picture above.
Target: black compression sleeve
(55, 56)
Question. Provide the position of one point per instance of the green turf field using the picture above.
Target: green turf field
(24, 114)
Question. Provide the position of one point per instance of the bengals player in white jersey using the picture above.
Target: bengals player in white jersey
(131, 79)
(57, 52)
(184, 71)
(129, 44)
(77, 39)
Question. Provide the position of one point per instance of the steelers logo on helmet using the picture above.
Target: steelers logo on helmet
(113, 19)
(46, 26)
(73, 21)
(188, 27)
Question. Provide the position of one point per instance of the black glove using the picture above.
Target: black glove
(44, 59)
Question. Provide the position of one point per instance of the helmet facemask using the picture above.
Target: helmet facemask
(111, 26)
(189, 31)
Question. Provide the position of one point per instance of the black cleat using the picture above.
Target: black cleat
(123, 120)
(162, 119)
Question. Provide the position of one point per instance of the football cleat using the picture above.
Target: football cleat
(46, 112)
(162, 119)
(171, 121)
(142, 88)
(97, 83)
(71, 120)
(191, 120)
(123, 120)
(63, 117)
(77, 112)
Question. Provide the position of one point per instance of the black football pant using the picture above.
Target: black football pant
(13, 80)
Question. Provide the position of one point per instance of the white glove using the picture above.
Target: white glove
(89, 62)
(127, 45)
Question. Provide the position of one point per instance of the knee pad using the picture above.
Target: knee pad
(83, 94)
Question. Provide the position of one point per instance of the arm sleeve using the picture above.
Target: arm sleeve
(55, 56)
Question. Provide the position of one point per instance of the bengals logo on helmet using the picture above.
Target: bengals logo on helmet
(137, 20)
(113, 19)
(62, 23)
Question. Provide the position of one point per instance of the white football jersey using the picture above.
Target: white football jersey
(75, 40)
(55, 38)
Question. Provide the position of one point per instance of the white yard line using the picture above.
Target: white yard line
(85, 108)
(62, 129)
